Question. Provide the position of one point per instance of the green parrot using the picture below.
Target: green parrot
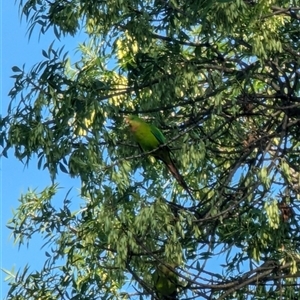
(165, 283)
(149, 138)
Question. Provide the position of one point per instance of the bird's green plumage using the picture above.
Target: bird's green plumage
(150, 138)
(146, 135)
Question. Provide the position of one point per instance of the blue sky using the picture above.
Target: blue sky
(17, 50)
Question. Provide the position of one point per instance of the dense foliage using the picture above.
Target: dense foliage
(221, 80)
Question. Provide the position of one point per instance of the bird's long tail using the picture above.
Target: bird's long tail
(174, 171)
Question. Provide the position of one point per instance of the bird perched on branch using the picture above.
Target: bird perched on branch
(150, 138)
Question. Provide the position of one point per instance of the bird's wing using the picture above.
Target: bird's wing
(158, 134)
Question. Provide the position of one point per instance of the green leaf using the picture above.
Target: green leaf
(16, 69)
(63, 168)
